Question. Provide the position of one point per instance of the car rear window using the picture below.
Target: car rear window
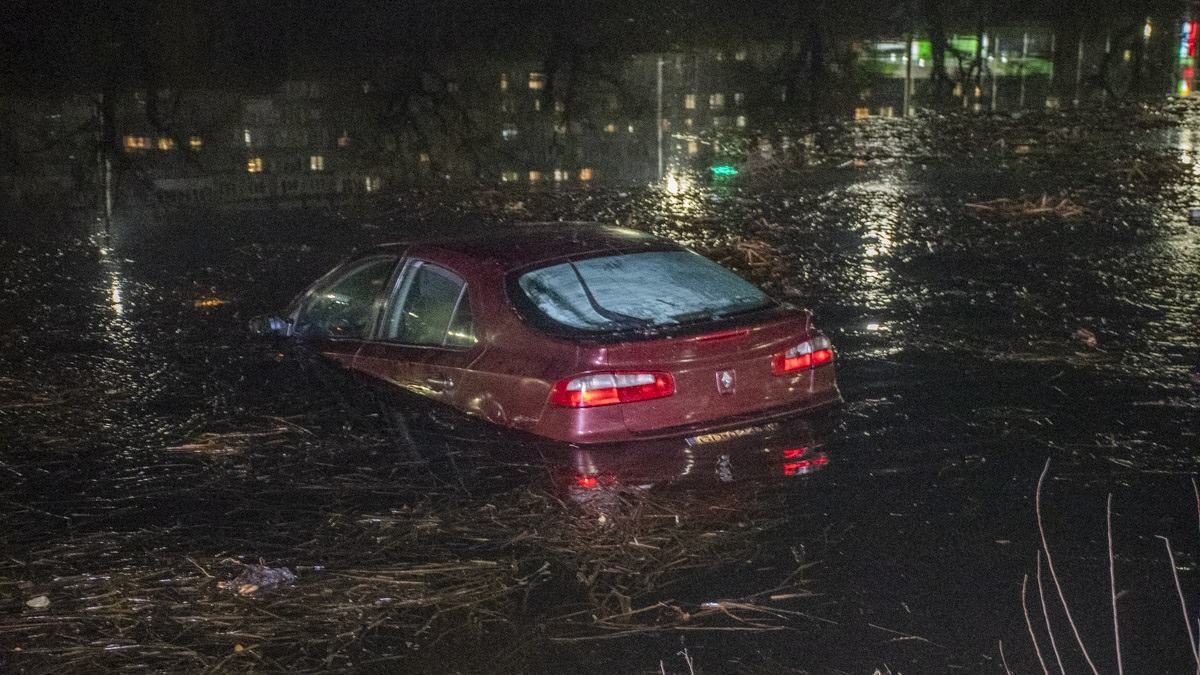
(646, 289)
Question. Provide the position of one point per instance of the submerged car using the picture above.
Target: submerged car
(579, 333)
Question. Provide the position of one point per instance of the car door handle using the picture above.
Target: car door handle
(440, 383)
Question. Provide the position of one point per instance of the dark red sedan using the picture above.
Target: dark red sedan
(576, 332)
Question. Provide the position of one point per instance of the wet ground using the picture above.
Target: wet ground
(151, 450)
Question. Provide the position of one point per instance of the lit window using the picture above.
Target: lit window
(630, 128)
(739, 55)
(537, 104)
(372, 183)
(689, 123)
(739, 98)
(741, 121)
(887, 111)
(316, 163)
(561, 175)
(559, 106)
(196, 143)
(137, 143)
(537, 81)
(503, 81)
(166, 143)
(560, 128)
(585, 173)
(535, 176)
(423, 158)
(246, 138)
(689, 101)
(509, 176)
(509, 132)
(693, 147)
(716, 101)
(862, 113)
(610, 128)
(254, 165)
(344, 140)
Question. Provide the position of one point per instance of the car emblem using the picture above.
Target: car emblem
(726, 381)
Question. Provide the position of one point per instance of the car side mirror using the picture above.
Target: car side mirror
(270, 325)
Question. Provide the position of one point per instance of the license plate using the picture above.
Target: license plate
(722, 436)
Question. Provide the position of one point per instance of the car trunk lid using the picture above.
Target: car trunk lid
(718, 374)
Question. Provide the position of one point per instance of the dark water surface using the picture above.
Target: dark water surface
(149, 448)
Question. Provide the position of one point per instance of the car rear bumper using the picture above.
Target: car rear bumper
(605, 425)
(823, 400)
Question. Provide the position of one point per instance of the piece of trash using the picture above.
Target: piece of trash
(1020, 209)
(39, 602)
(1194, 215)
(209, 303)
(1087, 337)
(257, 577)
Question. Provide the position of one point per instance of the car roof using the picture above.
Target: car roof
(513, 246)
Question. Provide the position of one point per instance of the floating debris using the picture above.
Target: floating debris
(1087, 337)
(38, 602)
(258, 577)
(1020, 209)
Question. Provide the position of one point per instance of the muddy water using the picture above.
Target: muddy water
(149, 448)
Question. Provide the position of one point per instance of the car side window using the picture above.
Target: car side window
(348, 305)
(430, 308)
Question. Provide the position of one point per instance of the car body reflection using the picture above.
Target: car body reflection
(787, 449)
(790, 449)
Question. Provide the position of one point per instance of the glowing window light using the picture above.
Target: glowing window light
(137, 143)
(254, 165)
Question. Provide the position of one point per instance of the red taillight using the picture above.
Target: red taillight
(808, 354)
(597, 389)
(593, 481)
(804, 466)
(793, 453)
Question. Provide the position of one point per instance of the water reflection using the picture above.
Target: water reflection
(681, 196)
(116, 327)
(770, 452)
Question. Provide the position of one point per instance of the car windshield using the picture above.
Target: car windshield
(642, 290)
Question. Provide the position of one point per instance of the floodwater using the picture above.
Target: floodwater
(151, 449)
